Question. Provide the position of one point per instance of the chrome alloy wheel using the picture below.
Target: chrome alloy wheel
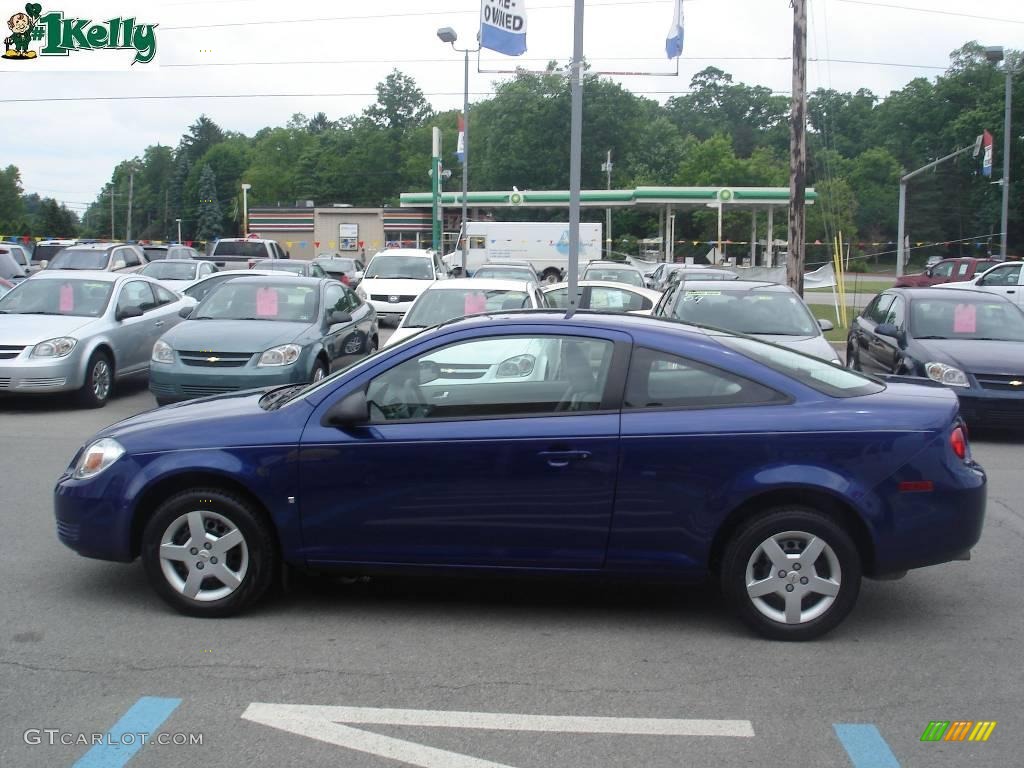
(793, 577)
(100, 379)
(203, 556)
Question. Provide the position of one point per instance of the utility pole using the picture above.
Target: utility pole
(798, 150)
(131, 190)
(606, 166)
(112, 211)
(575, 151)
(1006, 156)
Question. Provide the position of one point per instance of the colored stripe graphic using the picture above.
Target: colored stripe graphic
(958, 730)
(935, 731)
(145, 716)
(982, 730)
(865, 746)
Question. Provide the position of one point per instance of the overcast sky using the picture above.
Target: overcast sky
(67, 149)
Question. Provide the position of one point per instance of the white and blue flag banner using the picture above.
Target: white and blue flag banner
(674, 41)
(503, 26)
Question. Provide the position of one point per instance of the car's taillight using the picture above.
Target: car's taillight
(958, 442)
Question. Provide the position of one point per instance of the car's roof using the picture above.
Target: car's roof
(181, 261)
(246, 240)
(87, 274)
(247, 273)
(604, 263)
(604, 284)
(585, 319)
(57, 242)
(482, 284)
(938, 292)
(736, 285)
(97, 246)
(969, 258)
(280, 278)
(420, 252)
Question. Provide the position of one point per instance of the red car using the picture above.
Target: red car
(947, 271)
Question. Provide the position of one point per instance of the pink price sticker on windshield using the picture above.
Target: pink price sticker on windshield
(475, 304)
(965, 318)
(266, 302)
(67, 298)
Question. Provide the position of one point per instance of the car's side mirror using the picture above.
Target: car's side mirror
(893, 331)
(185, 312)
(930, 272)
(126, 313)
(337, 317)
(429, 371)
(351, 411)
(825, 325)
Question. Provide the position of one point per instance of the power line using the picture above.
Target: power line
(916, 9)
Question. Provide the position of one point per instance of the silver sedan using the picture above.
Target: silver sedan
(81, 331)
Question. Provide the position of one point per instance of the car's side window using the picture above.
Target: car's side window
(335, 299)
(353, 298)
(497, 377)
(944, 269)
(879, 308)
(1002, 276)
(896, 314)
(661, 380)
(961, 269)
(558, 297)
(131, 257)
(616, 300)
(163, 296)
(137, 293)
(118, 259)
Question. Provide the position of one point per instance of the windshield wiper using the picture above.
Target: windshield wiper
(946, 338)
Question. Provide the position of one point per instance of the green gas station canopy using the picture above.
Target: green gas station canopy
(604, 198)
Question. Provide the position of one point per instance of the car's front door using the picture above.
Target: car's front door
(132, 336)
(1003, 280)
(344, 342)
(865, 342)
(509, 459)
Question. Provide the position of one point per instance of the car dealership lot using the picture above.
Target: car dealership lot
(83, 641)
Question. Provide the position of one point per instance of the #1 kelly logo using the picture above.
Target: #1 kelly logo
(59, 36)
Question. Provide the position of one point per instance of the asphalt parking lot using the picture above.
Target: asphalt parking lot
(628, 675)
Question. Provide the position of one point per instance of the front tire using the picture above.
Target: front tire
(791, 574)
(208, 553)
(319, 372)
(99, 381)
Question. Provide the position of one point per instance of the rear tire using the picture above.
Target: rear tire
(208, 553)
(791, 574)
(99, 381)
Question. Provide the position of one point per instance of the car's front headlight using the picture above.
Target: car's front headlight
(286, 354)
(59, 347)
(97, 457)
(361, 293)
(162, 352)
(946, 374)
(518, 366)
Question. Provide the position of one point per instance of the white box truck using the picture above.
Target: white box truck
(545, 245)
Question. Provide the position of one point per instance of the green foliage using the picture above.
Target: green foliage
(210, 220)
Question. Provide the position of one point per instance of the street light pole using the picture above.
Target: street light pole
(448, 35)
(179, 229)
(1006, 159)
(606, 166)
(245, 209)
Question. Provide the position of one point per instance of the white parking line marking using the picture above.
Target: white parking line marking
(325, 723)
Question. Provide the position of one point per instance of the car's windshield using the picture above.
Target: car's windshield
(970, 318)
(390, 266)
(751, 311)
(337, 266)
(46, 252)
(250, 249)
(505, 273)
(169, 270)
(813, 372)
(80, 258)
(85, 298)
(443, 304)
(277, 265)
(615, 275)
(153, 254)
(259, 300)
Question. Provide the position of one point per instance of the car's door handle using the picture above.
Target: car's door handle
(158, 323)
(1011, 291)
(562, 458)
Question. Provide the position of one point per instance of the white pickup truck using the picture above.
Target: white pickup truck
(235, 252)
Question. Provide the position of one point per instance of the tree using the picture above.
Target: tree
(400, 104)
(55, 220)
(210, 220)
(201, 135)
(11, 206)
(319, 123)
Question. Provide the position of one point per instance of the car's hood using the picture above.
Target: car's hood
(817, 346)
(176, 285)
(1004, 357)
(395, 286)
(233, 335)
(399, 334)
(31, 329)
(969, 285)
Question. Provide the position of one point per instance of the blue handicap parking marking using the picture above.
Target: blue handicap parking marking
(125, 737)
(865, 746)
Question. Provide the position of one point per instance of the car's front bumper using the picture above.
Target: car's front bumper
(23, 374)
(389, 311)
(993, 408)
(176, 382)
(94, 516)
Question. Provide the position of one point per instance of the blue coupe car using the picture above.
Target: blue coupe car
(608, 445)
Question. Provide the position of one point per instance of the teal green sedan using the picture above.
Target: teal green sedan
(261, 332)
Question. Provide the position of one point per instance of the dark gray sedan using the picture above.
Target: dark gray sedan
(262, 331)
